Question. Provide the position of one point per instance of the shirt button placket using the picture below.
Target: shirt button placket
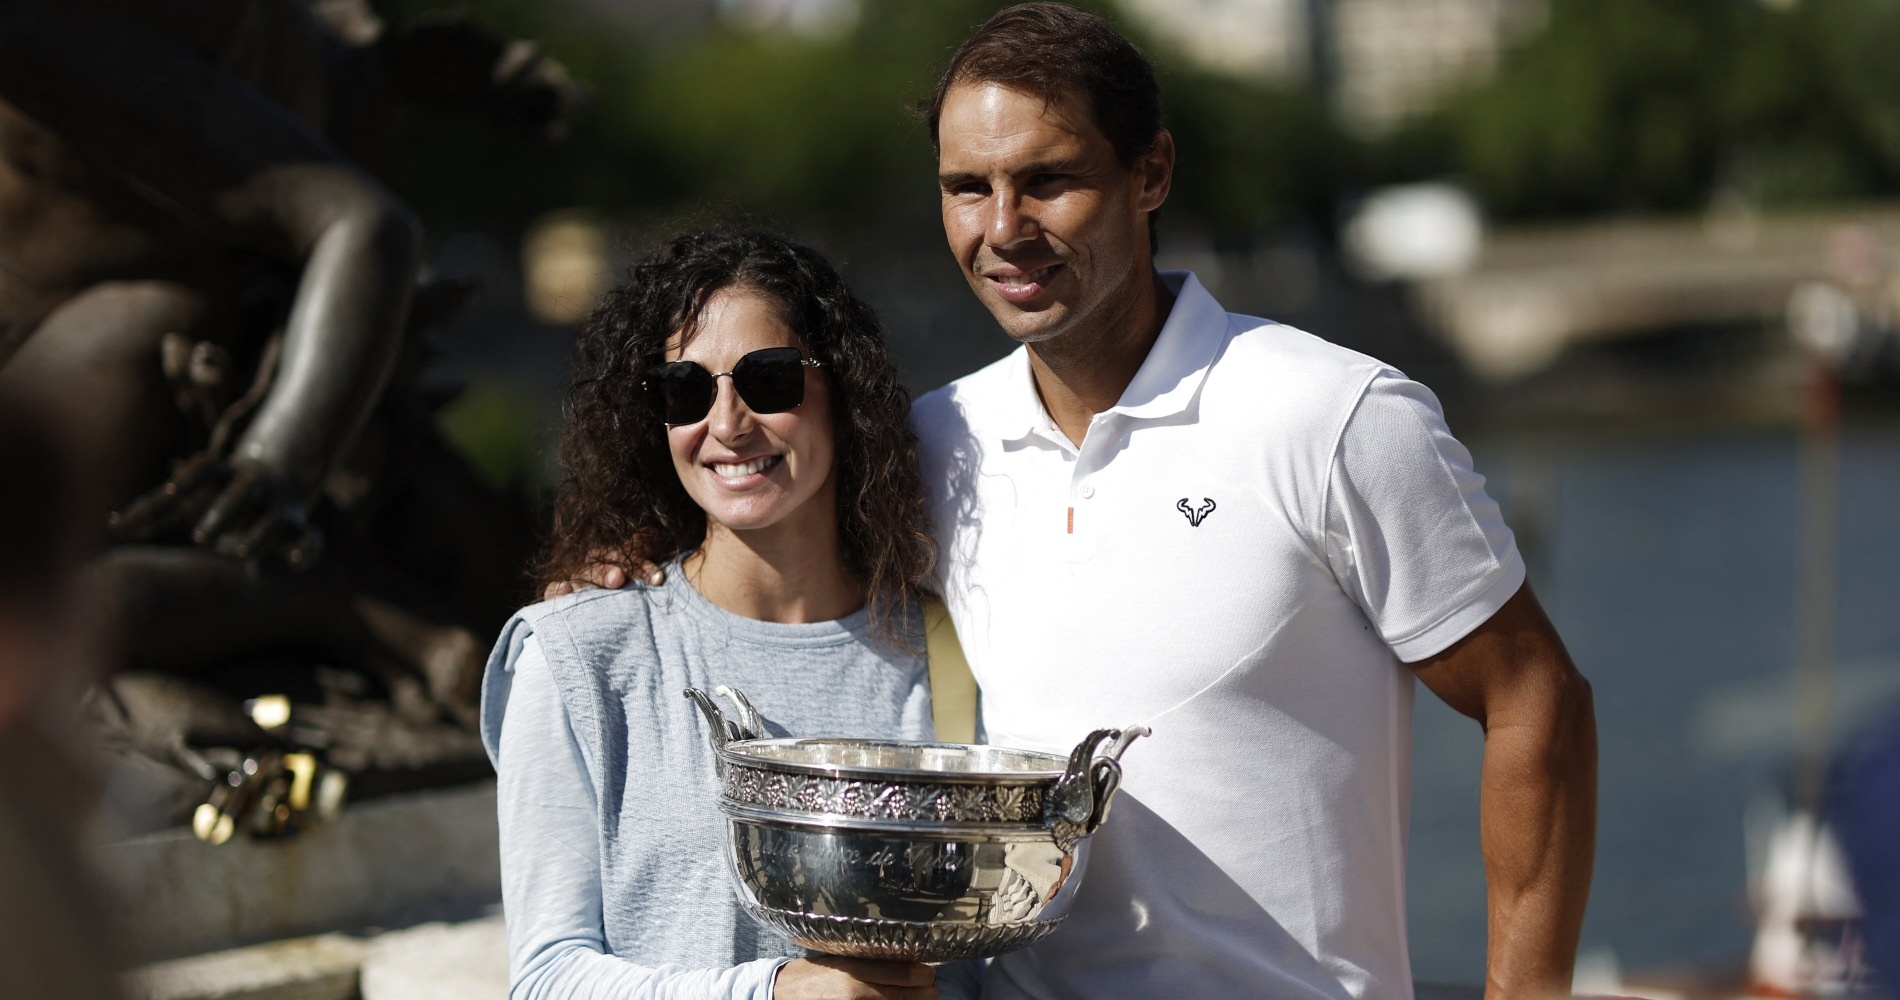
(1081, 534)
(1082, 519)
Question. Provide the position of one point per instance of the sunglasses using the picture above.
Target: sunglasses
(770, 380)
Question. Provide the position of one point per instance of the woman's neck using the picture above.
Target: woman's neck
(774, 575)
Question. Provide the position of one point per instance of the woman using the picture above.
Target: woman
(734, 418)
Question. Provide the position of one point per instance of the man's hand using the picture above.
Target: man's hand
(605, 575)
(1538, 811)
(827, 977)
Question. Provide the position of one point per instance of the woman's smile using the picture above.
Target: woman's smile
(751, 471)
(749, 467)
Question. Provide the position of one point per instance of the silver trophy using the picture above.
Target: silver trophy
(907, 851)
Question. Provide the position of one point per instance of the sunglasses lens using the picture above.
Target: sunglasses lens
(686, 391)
(771, 380)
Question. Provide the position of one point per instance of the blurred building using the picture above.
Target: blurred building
(666, 21)
(1263, 39)
(810, 18)
(1397, 58)
(1381, 61)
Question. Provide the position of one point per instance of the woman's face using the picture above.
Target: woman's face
(754, 471)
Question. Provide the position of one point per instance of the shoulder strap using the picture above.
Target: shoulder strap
(952, 687)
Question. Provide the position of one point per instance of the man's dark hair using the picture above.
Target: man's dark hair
(1052, 51)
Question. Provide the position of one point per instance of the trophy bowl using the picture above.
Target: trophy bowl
(907, 851)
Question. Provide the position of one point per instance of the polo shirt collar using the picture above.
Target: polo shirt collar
(1027, 417)
(1178, 362)
(1168, 379)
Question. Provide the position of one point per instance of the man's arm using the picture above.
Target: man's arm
(1538, 811)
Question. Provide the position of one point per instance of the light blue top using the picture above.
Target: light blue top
(613, 873)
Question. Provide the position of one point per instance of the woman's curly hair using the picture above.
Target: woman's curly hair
(620, 499)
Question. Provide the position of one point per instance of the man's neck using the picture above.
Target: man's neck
(1085, 372)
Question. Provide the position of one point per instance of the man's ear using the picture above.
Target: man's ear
(1156, 172)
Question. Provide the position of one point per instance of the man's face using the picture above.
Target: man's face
(1049, 228)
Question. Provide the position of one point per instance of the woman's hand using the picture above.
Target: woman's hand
(828, 977)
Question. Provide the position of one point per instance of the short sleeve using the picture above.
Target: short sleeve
(1411, 535)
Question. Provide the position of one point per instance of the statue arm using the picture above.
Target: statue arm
(222, 156)
(359, 250)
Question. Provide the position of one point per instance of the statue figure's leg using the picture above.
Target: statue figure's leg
(198, 633)
(183, 610)
(93, 366)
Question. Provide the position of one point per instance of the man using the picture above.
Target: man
(1250, 539)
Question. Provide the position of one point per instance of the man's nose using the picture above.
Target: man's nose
(1009, 223)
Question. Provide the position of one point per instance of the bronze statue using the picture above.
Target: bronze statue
(207, 287)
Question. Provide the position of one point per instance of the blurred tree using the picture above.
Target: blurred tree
(1618, 105)
(1249, 156)
(1622, 105)
(461, 177)
(818, 131)
(808, 127)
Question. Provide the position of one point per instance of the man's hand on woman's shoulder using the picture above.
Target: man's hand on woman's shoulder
(605, 575)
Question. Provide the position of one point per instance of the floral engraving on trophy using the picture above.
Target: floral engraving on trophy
(1016, 801)
(968, 800)
(940, 802)
(894, 801)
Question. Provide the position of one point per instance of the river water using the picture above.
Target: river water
(1670, 561)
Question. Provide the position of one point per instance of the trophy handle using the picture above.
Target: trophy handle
(751, 725)
(1079, 802)
(1105, 772)
(723, 731)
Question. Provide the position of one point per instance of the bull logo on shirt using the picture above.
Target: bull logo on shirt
(1196, 515)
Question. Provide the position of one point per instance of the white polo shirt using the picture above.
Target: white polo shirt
(1240, 553)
